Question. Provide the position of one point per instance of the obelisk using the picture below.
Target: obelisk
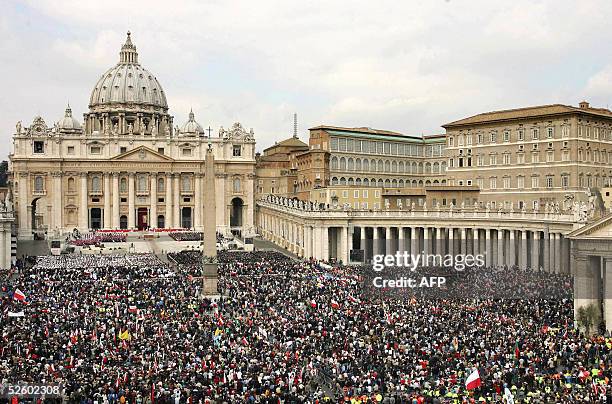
(209, 252)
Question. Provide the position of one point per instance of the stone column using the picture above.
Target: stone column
(401, 241)
(463, 241)
(131, 202)
(25, 230)
(523, 261)
(414, 241)
(559, 254)
(439, 237)
(153, 201)
(3, 251)
(500, 247)
(607, 303)
(198, 202)
(107, 202)
(343, 245)
(476, 241)
(388, 240)
(8, 246)
(376, 243)
(552, 262)
(535, 251)
(83, 208)
(177, 202)
(58, 206)
(546, 257)
(116, 209)
(426, 240)
(488, 250)
(358, 231)
(451, 241)
(512, 249)
(325, 243)
(169, 220)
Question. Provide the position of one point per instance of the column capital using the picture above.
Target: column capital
(115, 174)
(83, 175)
(24, 174)
(57, 174)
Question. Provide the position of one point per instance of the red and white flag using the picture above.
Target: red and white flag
(473, 380)
(19, 295)
(334, 304)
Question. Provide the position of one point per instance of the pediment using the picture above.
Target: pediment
(601, 228)
(142, 154)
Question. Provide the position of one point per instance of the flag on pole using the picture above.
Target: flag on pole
(19, 295)
(473, 380)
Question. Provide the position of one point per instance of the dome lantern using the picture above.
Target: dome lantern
(128, 52)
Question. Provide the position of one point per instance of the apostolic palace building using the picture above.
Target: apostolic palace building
(126, 166)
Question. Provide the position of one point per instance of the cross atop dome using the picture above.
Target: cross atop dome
(128, 52)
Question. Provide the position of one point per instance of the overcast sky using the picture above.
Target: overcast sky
(403, 66)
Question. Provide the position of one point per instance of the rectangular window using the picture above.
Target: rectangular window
(364, 193)
(493, 183)
(480, 160)
(549, 181)
(520, 158)
(186, 152)
(356, 193)
(535, 157)
(39, 146)
(95, 149)
(479, 139)
(237, 150)
(365, 205)
(550, 156)
(379, 147)
(387, 148)
(160, 200)
(160, 150)
(377, 194)
(493, 137)
(506, 136)
(122, 149)
(565, 155)
(565, 181)
(506, 159)
(506, 182)
(534, 182)
(535, 133)
(520, 182)
(493, 159)
(550, 132)
(349, 145)
(123, 200)
(342, 144)
(70, 149)
(521, 134)
(394, 149)
(345, 194)
(334, 144)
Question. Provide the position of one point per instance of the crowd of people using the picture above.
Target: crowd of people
(136, 330)
(96, 238)
(187, 235)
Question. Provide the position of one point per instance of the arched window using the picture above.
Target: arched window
(400, 183)
(351, 164)
(236, 185)
(394, 183)
(436, 168)
(380, 182)
(161, 185)
(394, 166)
(428, 168)
(71, 184)
(380, 166)
(366, 165)
(142, 183)
(387, 183)
(39, 183)
(334, 180)
(358, 182)
(366, 182)
(358, 164)
(123, 185)
(334, 163)
(387, 166)
(95, 184)
(342, 163)
(400, 167)
(342, 181)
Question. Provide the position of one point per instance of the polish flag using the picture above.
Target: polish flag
(334, 304)
(18, 295)
(473, 380)
(133, 309)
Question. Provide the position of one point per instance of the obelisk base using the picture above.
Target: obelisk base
(210, 280)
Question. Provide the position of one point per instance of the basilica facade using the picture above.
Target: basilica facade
(127, 166)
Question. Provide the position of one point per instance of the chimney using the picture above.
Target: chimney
(583, 105)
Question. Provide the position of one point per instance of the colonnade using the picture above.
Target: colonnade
(321, 235)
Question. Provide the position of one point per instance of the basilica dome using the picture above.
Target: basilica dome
(68, 122)
(191, 127)
(128, 83)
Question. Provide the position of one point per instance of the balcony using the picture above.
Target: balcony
(39, 192)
